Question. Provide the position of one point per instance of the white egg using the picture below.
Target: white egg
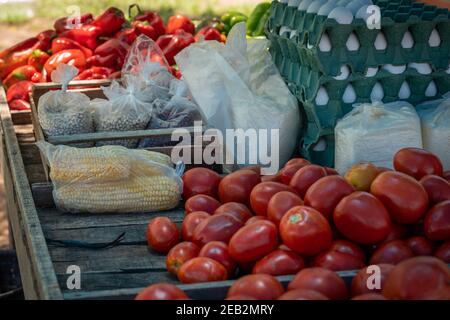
(380, 42)
(408, 40)
(377, 93)
(362, 13)
(325, 43)
(435, 39)
(394, 69)
(322, 97)
(315, 6)
(422, 68)
(341, 15)
(405, 91)
(293, 3)
(353, 42)
(303, 6)
(344, 74)
(354, 6)
(284, 30)
(320, 145)
(431, 90)
(349, 94)
(371, 72)
(327, 8)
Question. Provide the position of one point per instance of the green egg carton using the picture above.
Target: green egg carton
(398, 17)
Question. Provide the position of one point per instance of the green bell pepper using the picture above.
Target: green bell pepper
(257, 20)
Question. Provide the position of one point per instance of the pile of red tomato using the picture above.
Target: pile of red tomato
(309, 216)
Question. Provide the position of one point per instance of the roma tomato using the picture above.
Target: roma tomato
(262, 193)
(361, 176)
(281, 203)
(191, 222)
(404, 198)
(362, 218)
(361, 284)
(256, 219)
(331, 171)
(200, 181)
(162, 234)
(337, 261)
(437, 222)
(398, 232)
(258, 286)
(305, 231)
(219, 251)
(179, 254)
(420, 246)
(443, 252)
(272, 178)
(162, 291)
(325, 194)
(438, 189)
(202, 269)
(237, 186)
(254, 241)
(279, 263)
(238, 210)
(305, 178)
(420, 278)
(347, 247)
(417, 163)
(446, 175)
(287, 173)
(370, 296)
(297, 161)
(218, 227)
(321, 280)
(391, 252)
(201, 202)
(303, 294)
(240, 297)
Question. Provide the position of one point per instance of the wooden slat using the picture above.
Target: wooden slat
(21, 117)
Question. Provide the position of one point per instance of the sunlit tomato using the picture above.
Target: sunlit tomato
(219, 251)
(254, 241)
(238, 210)
(202, 269)
(438, 189)
(162, 291)
(179, 254)
(201, 202)
(420, 278)
(303, 294)
(279, 263)
(305, 231)
(297, 161)
(398, 232)
(362, 218)
(417, 163)
(162, 234)
(258, 286)
(237, 186)
(437, 222)
(361, 176)
(443, 252)
(331, 171)
(391, 252)
(325, 194)
(218, 227)
(370, 296)
(305, 178)
(256, 219)
(347, 247)
(200, 181)
(191, 222)
(262, 193)
(404, 198)
(420, 246)
(240, 297)
(321, 280)
(366, 282)
(337, 261)
(281, 203)
(287, 173)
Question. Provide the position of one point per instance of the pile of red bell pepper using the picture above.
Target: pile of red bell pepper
(96, 46)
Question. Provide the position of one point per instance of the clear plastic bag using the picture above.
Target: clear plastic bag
(374, 133)
(112, 179)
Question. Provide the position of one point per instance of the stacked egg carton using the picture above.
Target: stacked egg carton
(331, 59)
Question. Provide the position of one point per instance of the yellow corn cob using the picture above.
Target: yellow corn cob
(157, 157)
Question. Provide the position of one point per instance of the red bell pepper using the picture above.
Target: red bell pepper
(110, 21)
(73, 57)
(172, 44)
(127, 35)
(60, 44)
(88, 36)
(95, 73)
(19, 104)
(114, 47)
(67, 23)
(109, 61)
(178, 22)
(37, 59)
(23, 73)
(146, 29)
(208, 34)
(151, 18)
(20, 90)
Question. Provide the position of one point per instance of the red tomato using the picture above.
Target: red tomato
(273, 178)
(305, 231)
(297, 161)
(362, 218)
(162, 291)
(438, 189)
(443, 252)
(303, 294)
(287, 173)
(325, 194)
(398, 232)
(365, 280)
(337, 261)
(420, 278)
(404, 198)
(370, 296)
(262, 193)
(202, 269)
(237, 186)
(258, 286)
(162, 234)
(201, 202)
(218, 227)
(240, 297)
(281, 203)
(279, 263)
(238, 210)
(254, 241)
(347, 247)
(437, 222)
(219, 251)
(200, 181)
(446, 175)
(331, 171)
(305, 178)
(179, 254)
(255, 219)
(391, 252)
(321, 280)
(417, 163)
(191, 222)
(420, 246)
